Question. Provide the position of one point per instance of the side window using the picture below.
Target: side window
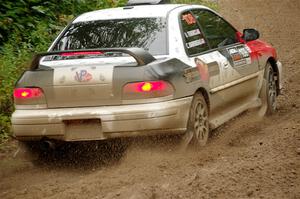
(193, 37)
(217, 31)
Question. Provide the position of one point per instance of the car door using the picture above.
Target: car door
(205, 62)
(213, 47)
(239, 71)
(198, 51)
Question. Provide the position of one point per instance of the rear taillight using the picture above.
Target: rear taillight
(147, 89)
(27, 93)
(29, 96)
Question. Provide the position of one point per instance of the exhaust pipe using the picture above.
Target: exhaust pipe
(48, 145)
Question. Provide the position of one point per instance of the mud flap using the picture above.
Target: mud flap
(186, 140)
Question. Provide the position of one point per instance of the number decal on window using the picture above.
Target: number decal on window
(195, 43)
(192, 33)
(189, 19)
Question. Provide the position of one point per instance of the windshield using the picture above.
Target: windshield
(146, 33)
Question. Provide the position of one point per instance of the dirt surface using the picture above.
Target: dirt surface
(245, 158)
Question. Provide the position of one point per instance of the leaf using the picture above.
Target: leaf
(39, 9)
(29, 24)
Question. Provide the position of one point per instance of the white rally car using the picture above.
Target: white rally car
(142, 70)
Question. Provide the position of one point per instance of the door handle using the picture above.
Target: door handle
(225, 64)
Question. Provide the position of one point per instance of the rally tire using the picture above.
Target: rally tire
(198, 124)
(270, 90)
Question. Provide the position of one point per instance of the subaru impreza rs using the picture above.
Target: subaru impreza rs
(143, 70)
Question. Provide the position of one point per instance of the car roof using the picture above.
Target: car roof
(141, 11)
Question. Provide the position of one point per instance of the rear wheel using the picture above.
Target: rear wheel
(198, 124)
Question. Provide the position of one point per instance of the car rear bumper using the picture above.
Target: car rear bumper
(97, 123)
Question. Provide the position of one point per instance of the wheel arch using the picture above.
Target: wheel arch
(206, 96)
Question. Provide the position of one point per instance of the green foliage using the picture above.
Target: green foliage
(4, 127)
(20, 17)
(14, 59)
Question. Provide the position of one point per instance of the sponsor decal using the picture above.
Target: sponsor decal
(240, 55)
(83, 76)
(195, 43)
(189, 19)
(191, 74)
(192, 33)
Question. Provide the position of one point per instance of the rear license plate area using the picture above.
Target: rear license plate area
(83, 129)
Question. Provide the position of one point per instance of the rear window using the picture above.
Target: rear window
(146, 33)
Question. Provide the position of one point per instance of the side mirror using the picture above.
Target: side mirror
(250, 34)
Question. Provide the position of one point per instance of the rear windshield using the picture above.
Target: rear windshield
(146, 33)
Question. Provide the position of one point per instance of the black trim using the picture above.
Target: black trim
(141, 56)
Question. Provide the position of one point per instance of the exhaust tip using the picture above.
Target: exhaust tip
(48, 145)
